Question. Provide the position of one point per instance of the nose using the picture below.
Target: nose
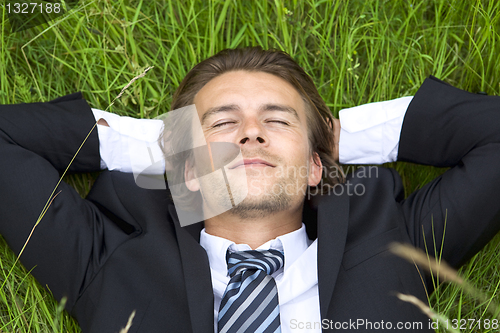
(253, 133)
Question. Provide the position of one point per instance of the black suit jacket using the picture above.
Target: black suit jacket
(122, 248)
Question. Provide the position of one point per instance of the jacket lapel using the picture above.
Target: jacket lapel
(197, 276)
(333, 219)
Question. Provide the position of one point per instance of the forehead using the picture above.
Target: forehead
(248, 90)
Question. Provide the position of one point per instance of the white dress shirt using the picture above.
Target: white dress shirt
(369, 135)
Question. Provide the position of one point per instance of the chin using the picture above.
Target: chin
(261, 202)
(253, 208)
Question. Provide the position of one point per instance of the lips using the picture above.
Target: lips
(251, 161)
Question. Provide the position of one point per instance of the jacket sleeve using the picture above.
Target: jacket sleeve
(458, 212)
(37, 142)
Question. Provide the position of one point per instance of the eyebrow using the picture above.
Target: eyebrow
(280, 107)
(235, 107)
(218, 109)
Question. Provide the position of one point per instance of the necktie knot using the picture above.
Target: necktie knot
(268, 261)
(250, 302)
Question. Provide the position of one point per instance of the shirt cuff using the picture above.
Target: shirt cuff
(130, 144)
(370, 132)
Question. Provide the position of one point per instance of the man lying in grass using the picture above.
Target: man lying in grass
(285, 242)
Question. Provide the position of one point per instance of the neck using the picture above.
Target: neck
(254, 231)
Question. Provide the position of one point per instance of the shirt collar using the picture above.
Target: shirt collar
(293, 245)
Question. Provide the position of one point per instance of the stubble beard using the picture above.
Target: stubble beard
(269, 196)
(277, 197)
(277, 200)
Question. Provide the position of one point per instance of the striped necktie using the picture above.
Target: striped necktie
(250, 302)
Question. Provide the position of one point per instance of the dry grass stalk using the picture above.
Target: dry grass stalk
(442, 270)
(426, 310)
(129, 84)
(417, 256)
(419, 304)
(129, 323)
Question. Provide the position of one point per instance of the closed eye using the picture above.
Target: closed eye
(223, 124)
(278, 122)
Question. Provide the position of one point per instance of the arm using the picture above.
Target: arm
(40, 127)
(448, 127)
(129, 144)
(369, 133)
(443, 126)
(37, 142)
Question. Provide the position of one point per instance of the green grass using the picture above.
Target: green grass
(357, 51)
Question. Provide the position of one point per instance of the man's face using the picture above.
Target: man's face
(265, 116)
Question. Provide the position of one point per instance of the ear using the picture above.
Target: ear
(315, 170)
(191, 181)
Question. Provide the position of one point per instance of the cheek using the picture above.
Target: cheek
(301, 148)
(300, 164)
(297, 151)
(222, 137)
(297, 139)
